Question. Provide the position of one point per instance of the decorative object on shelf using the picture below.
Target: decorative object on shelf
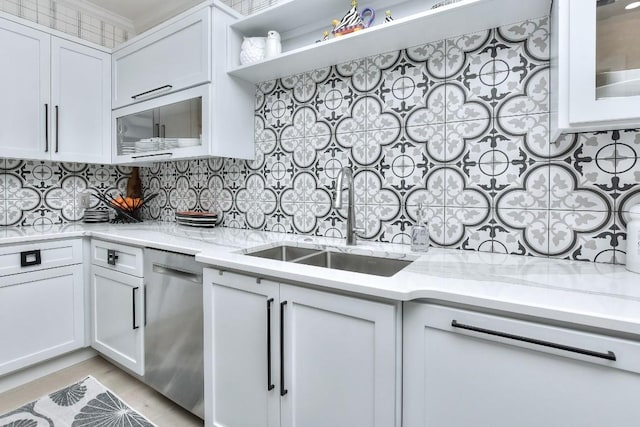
(197, 219)
(325, 37)
(252, 50)
(444, 3)
(353, 20)
(387, 16)
(633, 240)
(273, 45)
(127, 209)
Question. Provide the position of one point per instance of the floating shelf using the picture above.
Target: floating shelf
(465, 17)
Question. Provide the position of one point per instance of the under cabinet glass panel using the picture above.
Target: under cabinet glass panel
(617, 48)
(165, 128)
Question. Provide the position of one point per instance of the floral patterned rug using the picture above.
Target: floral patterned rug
(86, 403)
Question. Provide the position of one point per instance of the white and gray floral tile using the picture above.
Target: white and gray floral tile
(44, 193)
(460, 126)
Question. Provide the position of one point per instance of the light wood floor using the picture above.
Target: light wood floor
(139, 396)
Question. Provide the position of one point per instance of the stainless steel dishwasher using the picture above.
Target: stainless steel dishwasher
(173, 334)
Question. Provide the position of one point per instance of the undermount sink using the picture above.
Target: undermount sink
(365, 264)
(284, 253)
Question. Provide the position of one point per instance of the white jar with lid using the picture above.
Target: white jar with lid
(633, 240)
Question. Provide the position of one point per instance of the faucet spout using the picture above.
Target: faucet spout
(347, 174)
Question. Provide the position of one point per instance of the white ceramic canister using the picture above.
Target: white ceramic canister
(633, 240)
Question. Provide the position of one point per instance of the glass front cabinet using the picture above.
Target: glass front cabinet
(595, 80)
(171, 127)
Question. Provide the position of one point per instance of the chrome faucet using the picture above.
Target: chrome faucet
(346, 173)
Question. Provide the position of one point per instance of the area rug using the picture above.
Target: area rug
(86, 403)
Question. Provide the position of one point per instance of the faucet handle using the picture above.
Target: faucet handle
(359, 231)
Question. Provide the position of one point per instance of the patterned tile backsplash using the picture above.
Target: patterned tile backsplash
(44, 193)
(460, 125)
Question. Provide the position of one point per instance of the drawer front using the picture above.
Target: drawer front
(39, 256)
(173, 58)
(588, 347)
(113, 256)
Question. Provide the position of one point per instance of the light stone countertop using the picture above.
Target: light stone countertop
(588, 294)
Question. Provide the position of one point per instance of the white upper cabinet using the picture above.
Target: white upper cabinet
(173, 98)
(595, 66)
(81, 101)
(24, 85)
(175, 57)
(55, 102)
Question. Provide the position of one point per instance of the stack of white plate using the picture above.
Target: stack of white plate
(93, 215)
(149, 144)
(126, 147)
(197, 219)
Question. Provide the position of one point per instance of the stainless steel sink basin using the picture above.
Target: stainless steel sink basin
(357, 263)
(284, 253)
(365, 264)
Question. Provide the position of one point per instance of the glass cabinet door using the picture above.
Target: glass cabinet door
(617, 48)
(604, 62)
(168, 127)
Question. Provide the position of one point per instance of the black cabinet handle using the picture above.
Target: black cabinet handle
(610, 355)
(133, 300)
(57, 128)
(46, 128)
(283, 390)
(270, 386)
(151, 91)
(30, 258)
(144, 295)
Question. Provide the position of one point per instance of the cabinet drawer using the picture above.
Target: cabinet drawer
(176, 57)
(39, 256)
(126, 259)
(569, 343)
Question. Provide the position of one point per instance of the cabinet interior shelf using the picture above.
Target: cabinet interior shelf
(464, 17)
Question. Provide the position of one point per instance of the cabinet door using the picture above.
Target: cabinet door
(604, 67)
(81, 103)
(41, 316)
(174, 57)
(117, 315)
(241, 365)
(339, 360)
(24, 89)
(457, 377)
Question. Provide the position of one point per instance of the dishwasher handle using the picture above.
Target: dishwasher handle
(179, 274)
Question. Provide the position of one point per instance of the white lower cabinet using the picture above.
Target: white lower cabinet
(463, 368)
(117, 308)
(282, 355)
(41, 316)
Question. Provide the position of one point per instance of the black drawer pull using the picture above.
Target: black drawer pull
(29, 258)
(610, 355)
(112, 257)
